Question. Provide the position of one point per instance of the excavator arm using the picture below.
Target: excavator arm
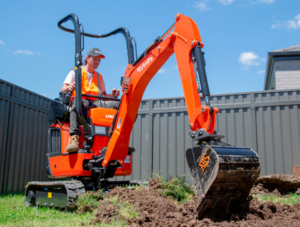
(185, 42)
(222, 174)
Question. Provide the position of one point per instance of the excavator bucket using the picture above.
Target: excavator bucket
(222, 176)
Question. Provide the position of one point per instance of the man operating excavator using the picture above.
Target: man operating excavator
(92, 84)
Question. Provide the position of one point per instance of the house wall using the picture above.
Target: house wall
(287, 74)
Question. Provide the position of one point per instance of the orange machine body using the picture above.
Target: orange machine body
(64, 164)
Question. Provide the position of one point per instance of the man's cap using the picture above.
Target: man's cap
(94, 52)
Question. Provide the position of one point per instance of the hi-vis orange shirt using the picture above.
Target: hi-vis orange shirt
(96, 87)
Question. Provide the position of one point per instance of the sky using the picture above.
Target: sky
(237, 35)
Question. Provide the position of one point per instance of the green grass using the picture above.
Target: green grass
(138, 187)
(14, 213)
(125, 210)
(291, 199)
(177, 188)
(89, 201)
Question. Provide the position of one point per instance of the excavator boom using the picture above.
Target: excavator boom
(222, 174)
(185, 42)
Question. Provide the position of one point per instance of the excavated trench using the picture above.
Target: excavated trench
(156, 210)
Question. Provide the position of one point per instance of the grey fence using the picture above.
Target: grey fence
(23, 137)
(268, 122)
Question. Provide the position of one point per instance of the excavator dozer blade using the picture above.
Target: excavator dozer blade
(222, 176)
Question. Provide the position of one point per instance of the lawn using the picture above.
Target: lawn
(290, 199)
(14, 213)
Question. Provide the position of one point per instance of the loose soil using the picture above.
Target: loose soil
(156, 210)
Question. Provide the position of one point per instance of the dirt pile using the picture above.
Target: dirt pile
(152, 207)
(277, 184)
(155, 210)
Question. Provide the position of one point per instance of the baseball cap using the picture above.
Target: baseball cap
(94, 52)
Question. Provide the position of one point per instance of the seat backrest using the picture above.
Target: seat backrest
(59, 111)
(101, 116)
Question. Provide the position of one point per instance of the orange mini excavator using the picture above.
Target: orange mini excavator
(222, 174)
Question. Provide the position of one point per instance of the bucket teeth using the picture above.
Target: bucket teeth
(222, 176)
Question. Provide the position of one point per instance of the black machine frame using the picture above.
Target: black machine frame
(79, 46)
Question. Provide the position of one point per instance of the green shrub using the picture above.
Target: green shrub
(176, 187)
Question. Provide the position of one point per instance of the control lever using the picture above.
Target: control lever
(65, 97)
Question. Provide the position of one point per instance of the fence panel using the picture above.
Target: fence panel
(267, 122)
(5, 97)
(277, 115)
(23, 137)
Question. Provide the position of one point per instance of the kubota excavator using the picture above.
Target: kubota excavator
(222, 174)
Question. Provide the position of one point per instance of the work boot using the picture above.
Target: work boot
(73, 144)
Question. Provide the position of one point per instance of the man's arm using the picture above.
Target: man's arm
(69, 83)
(114, 93)
(68, 87)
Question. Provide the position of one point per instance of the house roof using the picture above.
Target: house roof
(283, 52)
(286, 51)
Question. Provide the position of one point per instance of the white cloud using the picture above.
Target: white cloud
(258, 2)
(291, 24)
(161, 71)
(202, 6)
(267, 1)
(263, 1)
(249, 58)
(28, 52)
(226, 2)
(261, 72)
(2, 42)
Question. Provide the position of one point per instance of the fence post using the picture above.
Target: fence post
(5, 103)
(253, 122)
(7, 151)
(150, 138)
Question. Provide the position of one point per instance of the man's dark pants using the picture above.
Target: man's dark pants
(86, 104)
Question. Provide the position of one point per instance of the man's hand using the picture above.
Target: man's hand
(65, 97)
(68, 87)
(115, 93)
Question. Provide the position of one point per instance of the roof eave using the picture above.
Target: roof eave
(268, 69)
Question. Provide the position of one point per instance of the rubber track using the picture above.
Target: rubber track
(74, 188)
